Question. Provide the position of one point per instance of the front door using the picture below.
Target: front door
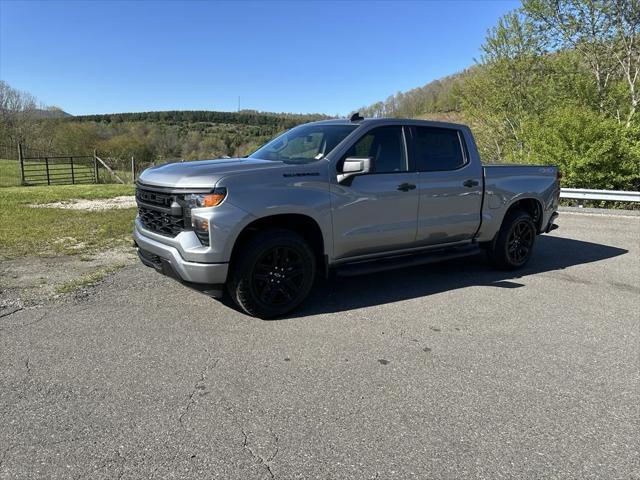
(378, 211)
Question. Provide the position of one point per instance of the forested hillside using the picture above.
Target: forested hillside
(556, 84)
(149, 136)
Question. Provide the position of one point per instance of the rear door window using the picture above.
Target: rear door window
(437, 149)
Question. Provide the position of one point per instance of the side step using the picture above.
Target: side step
(412, 260)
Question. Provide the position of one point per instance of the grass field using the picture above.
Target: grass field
(9, 173)
(49, 231)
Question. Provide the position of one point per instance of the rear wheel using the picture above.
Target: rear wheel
(273, 273)
(513, 245)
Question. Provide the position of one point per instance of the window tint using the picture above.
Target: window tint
(437, 149)
(386, 146)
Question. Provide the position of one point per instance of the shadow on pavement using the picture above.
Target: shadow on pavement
(348, 293)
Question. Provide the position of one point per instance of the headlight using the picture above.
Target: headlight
(200, 200)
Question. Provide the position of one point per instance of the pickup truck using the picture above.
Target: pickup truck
(352, 196)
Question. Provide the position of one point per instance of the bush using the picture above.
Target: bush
(591, 150)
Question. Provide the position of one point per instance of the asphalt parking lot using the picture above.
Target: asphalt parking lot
(441, 371)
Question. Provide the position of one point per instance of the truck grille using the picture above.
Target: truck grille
(161, 222)
(165, 210)
(154, 210)
(162, 200)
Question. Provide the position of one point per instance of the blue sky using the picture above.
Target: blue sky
(328, 57)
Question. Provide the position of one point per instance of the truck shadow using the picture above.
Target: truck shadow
(348, 293)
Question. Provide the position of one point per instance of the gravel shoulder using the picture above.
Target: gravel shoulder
(126, 201)
(35, 281)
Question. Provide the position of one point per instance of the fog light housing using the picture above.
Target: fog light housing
(201, 224)
(201, 229)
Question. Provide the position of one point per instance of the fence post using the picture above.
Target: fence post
(21, 158)
(46, 163)
(73, 177)
(133, 170)
(95, 165)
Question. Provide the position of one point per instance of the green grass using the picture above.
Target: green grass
(49, 231)
(9, 173)
(89, 279)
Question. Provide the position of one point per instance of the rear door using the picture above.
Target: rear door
(449, 185)
(378, 211)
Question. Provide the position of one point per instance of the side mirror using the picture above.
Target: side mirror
(352, 167)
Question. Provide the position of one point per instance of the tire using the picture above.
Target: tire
(273, 273)
(513, 245)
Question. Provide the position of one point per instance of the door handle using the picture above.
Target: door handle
(405, 187)
(471, 183)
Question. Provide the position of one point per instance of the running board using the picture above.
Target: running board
(411, 260)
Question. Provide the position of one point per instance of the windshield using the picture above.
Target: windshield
(304, 144)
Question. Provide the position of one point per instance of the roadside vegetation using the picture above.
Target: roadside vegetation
(557, 83)
(49, 231)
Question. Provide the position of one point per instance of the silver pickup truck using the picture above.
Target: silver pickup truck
(352, 196)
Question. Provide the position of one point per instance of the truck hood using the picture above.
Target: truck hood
(201, 173)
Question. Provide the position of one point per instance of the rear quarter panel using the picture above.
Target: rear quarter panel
(507, 184)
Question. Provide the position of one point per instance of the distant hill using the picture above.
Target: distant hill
(52, 112)
(243, 117)
(167, 135)
(435, 100)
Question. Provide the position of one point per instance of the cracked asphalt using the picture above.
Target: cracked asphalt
(441, 371)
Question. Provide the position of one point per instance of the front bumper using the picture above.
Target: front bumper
(170, 262)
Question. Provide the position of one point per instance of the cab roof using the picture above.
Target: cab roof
(389, 121)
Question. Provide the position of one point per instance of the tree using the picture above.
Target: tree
(603, 32)
(16, 114)
(514, 83)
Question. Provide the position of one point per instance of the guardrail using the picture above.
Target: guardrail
(609, 195)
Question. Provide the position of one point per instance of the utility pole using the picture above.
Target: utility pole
(238, 103)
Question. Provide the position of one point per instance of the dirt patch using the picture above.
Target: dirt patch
(28, 281)
(91, 205)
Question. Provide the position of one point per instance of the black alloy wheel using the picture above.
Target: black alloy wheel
(520, 242)
(272, 273)
(278, 276)
(513, 245)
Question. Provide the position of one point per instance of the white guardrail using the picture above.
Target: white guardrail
(610, 195)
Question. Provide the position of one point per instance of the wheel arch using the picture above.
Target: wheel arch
(531, 205)
(306, 226)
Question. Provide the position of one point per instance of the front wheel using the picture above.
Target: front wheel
(513, 245)
(273, 273)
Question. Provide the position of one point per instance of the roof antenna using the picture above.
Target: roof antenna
(356, 117)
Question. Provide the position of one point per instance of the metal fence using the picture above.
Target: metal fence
(48, 169)
(57, 169)
(599, 195)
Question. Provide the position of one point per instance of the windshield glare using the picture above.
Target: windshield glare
(304, 144)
